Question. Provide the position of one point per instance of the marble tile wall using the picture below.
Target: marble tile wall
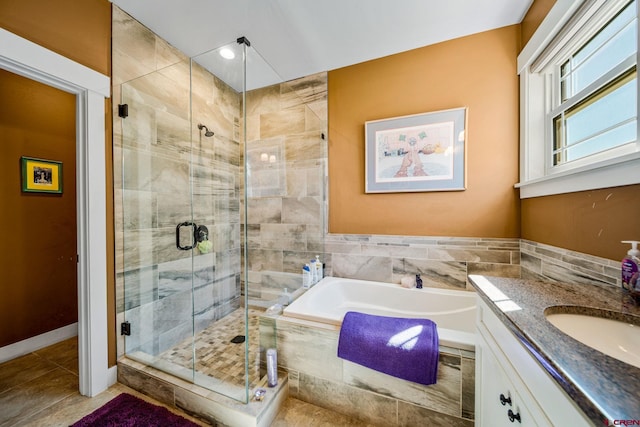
(307, 350)
(551, 263)
(167, 172)
(442, 262)
(171, 173)
(286, 170)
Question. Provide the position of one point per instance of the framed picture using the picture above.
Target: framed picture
(422, 152)
(41, 176)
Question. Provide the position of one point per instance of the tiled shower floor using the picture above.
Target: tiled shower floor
(216, 356)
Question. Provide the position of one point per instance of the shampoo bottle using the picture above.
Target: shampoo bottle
(630, 263)
(314, 272)
(319, 271)
(306, 276)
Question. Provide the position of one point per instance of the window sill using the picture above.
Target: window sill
(624, 171)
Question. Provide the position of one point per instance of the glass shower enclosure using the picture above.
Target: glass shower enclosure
(202, 169)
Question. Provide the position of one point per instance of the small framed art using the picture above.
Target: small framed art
(41, 176)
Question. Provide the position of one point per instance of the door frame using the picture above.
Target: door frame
(22, 57)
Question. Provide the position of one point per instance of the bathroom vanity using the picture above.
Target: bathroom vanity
(530, 373)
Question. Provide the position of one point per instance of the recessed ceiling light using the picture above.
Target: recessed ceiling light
(227, 53)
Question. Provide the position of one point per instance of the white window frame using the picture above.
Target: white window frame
(537, 178)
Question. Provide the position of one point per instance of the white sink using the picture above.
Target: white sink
(617, 339)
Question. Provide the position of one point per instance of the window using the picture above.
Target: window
(579, 98)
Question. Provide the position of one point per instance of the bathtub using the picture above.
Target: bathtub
(453, 311)
(307, 333)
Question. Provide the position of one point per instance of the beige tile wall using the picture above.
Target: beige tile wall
(550, 263)
(286, 197)
(442, 262)
(168, 172)
(308, 351)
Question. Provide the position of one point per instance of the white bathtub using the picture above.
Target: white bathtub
(453, 311)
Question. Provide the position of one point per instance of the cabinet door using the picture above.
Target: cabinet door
(497, 395)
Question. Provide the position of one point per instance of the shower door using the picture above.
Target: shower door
(183, 308)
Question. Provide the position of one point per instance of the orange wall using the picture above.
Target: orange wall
(477, 72)
(592, 222)
(79, 30)
(38, 254)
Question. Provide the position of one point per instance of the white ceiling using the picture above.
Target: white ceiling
(302, 37)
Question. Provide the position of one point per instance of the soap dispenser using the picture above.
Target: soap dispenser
(630, 263)
(319, 271)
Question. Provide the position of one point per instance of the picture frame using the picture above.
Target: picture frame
(416, 153)
(41, 176)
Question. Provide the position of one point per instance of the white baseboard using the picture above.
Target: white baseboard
(29, 345)
(112, 374)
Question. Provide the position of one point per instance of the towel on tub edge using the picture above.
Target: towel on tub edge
(402, 347)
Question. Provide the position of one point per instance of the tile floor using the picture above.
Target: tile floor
(216, 355)
(41, 389)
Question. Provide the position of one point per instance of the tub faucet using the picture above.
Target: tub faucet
(418, 282)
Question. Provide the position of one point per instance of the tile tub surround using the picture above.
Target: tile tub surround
(443, 262)
(308, 351)
(603, 387)
(553, 264)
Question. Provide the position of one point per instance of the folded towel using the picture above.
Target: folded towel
(401, 347)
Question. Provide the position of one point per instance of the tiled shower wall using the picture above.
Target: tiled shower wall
(166, 163)
(286, 169)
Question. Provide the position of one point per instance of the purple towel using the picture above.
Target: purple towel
(401, 347)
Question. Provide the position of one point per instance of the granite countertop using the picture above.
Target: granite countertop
(603, 387)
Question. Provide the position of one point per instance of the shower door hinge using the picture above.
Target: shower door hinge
(244, 40)
(123, 110)
(125, 328)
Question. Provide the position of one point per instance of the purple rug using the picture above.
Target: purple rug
(126, 410)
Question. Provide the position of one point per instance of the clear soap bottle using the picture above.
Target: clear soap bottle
(314, 272)
(319, 272)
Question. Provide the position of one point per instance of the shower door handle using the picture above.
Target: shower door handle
(192, 234)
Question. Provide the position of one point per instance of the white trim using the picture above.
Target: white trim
(559, 15)
(604, 176)
(61, 71)
(30, 60)
(32, 344)
(112, 376)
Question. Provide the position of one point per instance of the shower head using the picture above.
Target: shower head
(207, 132)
